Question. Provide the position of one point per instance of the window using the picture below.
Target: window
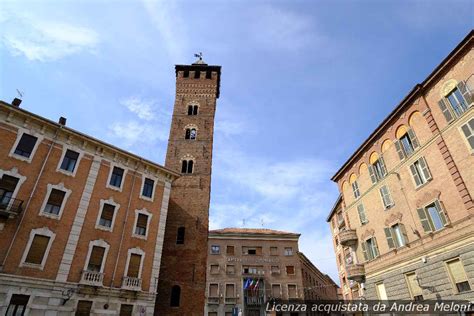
(276, 290)
(148, 186)
(407, 144)
(229, 290)
(213, 290)
(420, 172)
(348, 256)
(208, 74)
(370, 249)
(386, 197)
(273, 251)
(95, 259)
(230, 250)
(180, 235)
(190, 133)
(215, 249)
(83, 308)
(290, 270)
(458, 275)
(116, 178)
(192, 109)
(197, 74)
(37, 249)
(7, 188)
(355, 189)
(141, 226)
(381, 293)
(432, 217)
(134, 263)
(468, 130)
(186, 74)
(288, 251)
(415, 289)
(126, 310)
(396, 236)
(55, 201)
(107, 215)
(361, 211)
(292, 291)
(175, 296)
(377, 170)
(457, 102)
(187, 166)
(214, 268)
(26, 145)
(69, 161)
(340, 219)
(17, 305)
(252, 251)
(230, 269)
(275, 269)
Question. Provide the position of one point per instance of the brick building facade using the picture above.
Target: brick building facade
(402, 226)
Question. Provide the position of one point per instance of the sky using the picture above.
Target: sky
(303, 84)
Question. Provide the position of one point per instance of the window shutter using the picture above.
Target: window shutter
(142, 220)
(134, 265)
(386, 198)
(97, 254)
(424, 168)
(37, 249)
(415, 175)
(445, 109)
(404, 233)
(376, 248)
(441, 213)
(457, 272)
(364, 251)
(382, 166)
(229, 290)
(108, 212)
(373, 177)
(468, 130)
(361, 211)
(398, 146)
(8, 183)
(388, 235)
(414, 140)
(465, 92)
(56, 197)
(424, 220)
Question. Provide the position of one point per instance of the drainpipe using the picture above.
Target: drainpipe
(53, 142)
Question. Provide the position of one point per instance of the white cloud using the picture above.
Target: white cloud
(134, 132)
(144, 109)
(45, 41)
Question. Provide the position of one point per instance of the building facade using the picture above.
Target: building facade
(402, 226)
(247, 267)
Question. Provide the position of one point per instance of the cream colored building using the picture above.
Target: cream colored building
(403, 224)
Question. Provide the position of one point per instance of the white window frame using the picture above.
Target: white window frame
(79, 158)
(44, 231)
(136, 251)
(288, 290)
(13, 172)
(155, 182)
(99, 243)
(108, 185)
(111, 202)
(50, 187)
(225, 290)
(143, 211)
(471, 150)
(20, 133)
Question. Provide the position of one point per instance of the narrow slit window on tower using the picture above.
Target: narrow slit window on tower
(187, 166)
(180, 235)
(192, 109)
(175, 296)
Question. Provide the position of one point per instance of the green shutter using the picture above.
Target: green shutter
(424, 220)
(388, 235)
(398, 146)
(415, 175)
(376, 248)
(386, 198)
(382, 166)
(364, 251)
(465, 92)
(361, 211)
(414, 140)
(404, 233)
(373, 177)
(424, 168)
(445, 109)
(441, 213)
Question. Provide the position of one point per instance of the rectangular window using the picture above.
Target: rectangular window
(274, 251)
(432, 217)
(37, 249)
(458, 275)
(214, 268)
(230, 269)
(377, 170)
(142, 222)
(134, 265)
(95, 260)
(55, 201)
(215, 249)
(275, 269)
(107, 215)
(252, 251)
(126, 310)
(415, 289)
(420, 172)
(17, 305)
(468, 131)
(83, 308)
(148, 186)
(69, 160)
(348, 256)
(355, 189)
(381, 293)
(7, 188)
(230, 290)
(276, 290)
(370, 249)
(457, 102)
(116, 177)
(396, 236)
(288, 251)
(361, 212)
(386, 197)
(230, 250)
(213, 290)
(290, 270)
(292, 291)
(26, 145)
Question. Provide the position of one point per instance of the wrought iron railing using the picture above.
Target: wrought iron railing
(10, 206)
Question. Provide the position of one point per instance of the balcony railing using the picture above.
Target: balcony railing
(10, 207)
(355, 272)
(231, 300)
(132, 284)
(348, 237)
(92, 278)
(213, 300)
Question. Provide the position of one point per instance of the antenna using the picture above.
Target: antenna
(261, 222)
(20, 94)
(243, 222)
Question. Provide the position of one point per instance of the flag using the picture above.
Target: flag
(256, 285)
(246, 283)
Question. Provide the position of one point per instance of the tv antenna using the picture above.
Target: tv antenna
(20, 94)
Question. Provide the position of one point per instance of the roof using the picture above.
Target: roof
(334, 208)
(418, 88)
(311, 264)
(252, 231)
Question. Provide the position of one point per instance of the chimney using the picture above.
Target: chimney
(62, 121)
(16, 102)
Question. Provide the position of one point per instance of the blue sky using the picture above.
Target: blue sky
(303, 84)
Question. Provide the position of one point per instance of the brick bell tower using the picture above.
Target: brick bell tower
(182, 281)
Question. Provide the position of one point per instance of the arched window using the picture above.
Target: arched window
(187, 166)
(193, 109)
(190, 133)
(175, 296)
(180, 235)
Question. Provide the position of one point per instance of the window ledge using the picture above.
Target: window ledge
(67, 173)
(139, 236)
(109, 186)
(21, 158)
(31, 265)
(146, 198)
(50, 215)
(423, 185)
(104, 228)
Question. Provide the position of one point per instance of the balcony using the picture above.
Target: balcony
(10, 207)
(92, 278)
(348, 237)
(132, 284)
(213, 300)
(231, 300)
(355, 272)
